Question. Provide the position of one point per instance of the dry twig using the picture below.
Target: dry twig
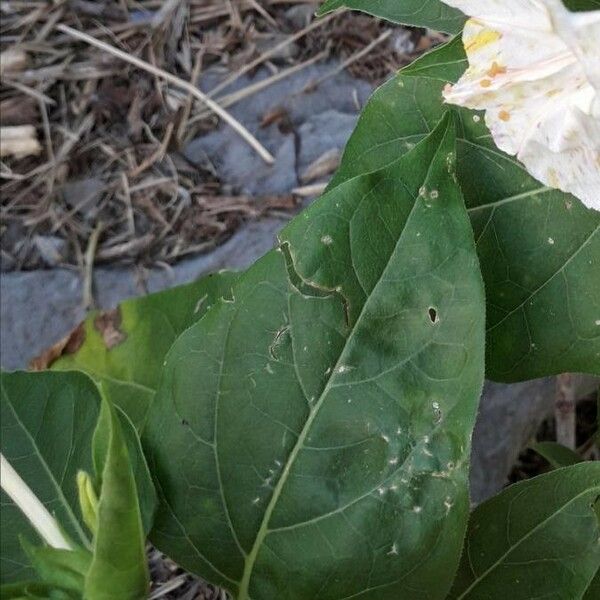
(185, 85)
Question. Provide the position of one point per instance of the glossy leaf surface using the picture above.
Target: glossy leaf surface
(537, 539)
(307, 446)
(539, 248)
(421, 13)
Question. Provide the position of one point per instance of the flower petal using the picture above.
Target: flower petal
(581, 33)
(534, 67)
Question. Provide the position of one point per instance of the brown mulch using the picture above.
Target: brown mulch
(91, 148)
(170, 582)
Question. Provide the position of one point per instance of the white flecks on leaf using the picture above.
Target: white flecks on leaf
(534, 67)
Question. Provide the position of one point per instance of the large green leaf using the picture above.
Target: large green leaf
(539, 249)
(537, 539)
(125, 348)
(422, 13)
(48, 421)
(301, 455)
(118, 568)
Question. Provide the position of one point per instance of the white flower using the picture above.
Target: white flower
(534, 67)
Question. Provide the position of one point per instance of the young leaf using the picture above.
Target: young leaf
(536, 539)
(421, 13)
(125, 348)
(303, 454)
(538, 247)
(32, 590)
(62, 569)
(48, 420)
(118, 568)
(556, 454)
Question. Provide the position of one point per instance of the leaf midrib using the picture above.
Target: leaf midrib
(531, 532)
(263, 529)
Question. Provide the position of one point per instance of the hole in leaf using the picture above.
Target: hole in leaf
(433, 316)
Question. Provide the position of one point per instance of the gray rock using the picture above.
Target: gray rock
(286, 53)
(299, 16)
(82, 194)
(323, 118)
(52, 249)
(240, 166)
(37, 309)
(402, 42)
(296, 94)
(321, 133)
(7, 261)
(40, 307)
(509, 416)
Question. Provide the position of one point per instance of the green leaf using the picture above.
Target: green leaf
(538, 248)
(125, 348)
(32, 590)
(556, 454)
(118, 568)
(48, 421)
(582, 5)
(62, 569)
(593, 591)
(421, 13)
(88, 501)
(300, 454)
(536, 539)
(100, 453)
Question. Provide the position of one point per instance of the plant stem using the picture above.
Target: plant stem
(564, 411)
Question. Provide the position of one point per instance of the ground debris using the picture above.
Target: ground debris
(67, 345)
(170, 582)
(85, 116)
(108, 324)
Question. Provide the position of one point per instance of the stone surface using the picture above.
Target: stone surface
(321, 133)
(240, 166)
(52, 249)
(509, 416)
(40, 307)
(296, 94)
